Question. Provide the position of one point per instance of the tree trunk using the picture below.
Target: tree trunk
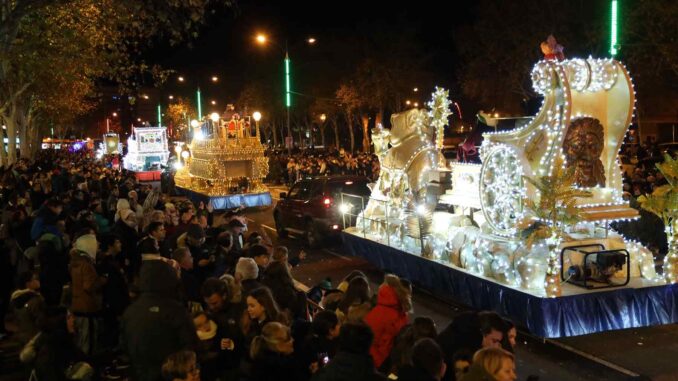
(366, 133)
(274, 130)
(349, 120)
(11, 123)
(335, 127)
(3, 154)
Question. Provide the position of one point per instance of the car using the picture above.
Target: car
(670, 148)
(315, 207)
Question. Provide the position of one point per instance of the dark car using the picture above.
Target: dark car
(312, 206)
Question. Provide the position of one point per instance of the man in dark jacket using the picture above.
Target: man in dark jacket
(227, 317)
(427, 362)
(46, 221)
(353, 361)
(190, 287)
(157, 324)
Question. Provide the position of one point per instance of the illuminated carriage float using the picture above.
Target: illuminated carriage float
(226, 165)
(581, 277)
(147, 152)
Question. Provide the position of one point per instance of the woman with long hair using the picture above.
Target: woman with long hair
(271, 354)
(357, 293)
(261, 309)
(278, 278)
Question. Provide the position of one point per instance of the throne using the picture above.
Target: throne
(588, 105)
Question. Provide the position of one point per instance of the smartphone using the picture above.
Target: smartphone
(323, 358)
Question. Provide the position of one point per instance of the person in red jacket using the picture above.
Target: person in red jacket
(388, 317)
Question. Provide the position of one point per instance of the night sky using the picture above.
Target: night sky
(226, 46)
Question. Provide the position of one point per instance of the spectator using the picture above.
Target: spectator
(261, 309)
(115, 293)
(388, 317)
(236, 227)
(207, 349)
(353, 361)
(52, 353)
(28, 306)
(225, 257)
(190, 287)
(321, 344)
(357, 293)
(271, 354)
(493, 364)
(156, 324)
(427, 362)
(281, 254)
(261, 256)
(157, 230)
(126, 229)
(46, 221)
(181, 366)
(471, 331)
(509, 334)
(401, 354)
(279, 280)
(86, 289)
(54, 272)
(246, 274)
(203, 261)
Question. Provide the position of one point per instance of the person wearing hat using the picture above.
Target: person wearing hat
(203, 259)
(126, 229)
(86, 289)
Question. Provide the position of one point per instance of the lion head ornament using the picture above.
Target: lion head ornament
(582, 148)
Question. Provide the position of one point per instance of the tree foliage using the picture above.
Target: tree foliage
(52, 53)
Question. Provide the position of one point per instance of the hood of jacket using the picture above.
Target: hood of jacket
(158, 278)
(388, 297)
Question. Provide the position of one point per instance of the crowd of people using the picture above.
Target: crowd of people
(105, 278)
(310, 162)
(642, 176)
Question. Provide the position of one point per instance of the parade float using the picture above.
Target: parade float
(110, 144)
(226, 165)
(526, 232)
(147, 152)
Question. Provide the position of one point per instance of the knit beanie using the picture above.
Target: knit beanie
(247, 268)
(88, 244)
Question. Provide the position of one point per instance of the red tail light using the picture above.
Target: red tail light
(327, 201)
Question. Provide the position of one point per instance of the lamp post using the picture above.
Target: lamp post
(198, 94)
(257, 117)
(262, 39)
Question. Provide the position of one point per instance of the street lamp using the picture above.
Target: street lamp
(323, 117)
(257, 117)
(262, 39)
(215, 78)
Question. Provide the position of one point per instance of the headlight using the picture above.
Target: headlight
(345, 208)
